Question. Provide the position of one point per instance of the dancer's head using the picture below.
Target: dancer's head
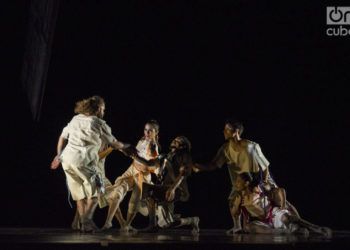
(181, 142)
(94, 105)
(232, 128)
(151, 130)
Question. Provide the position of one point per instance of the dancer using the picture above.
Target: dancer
(133, 178)
(77, 150)
(172, 186)
(244, 156)
(105, 150)
(261, 215)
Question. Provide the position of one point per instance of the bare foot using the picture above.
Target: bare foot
(106, 226)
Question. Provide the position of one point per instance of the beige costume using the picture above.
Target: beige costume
(132, 179)
(80, 157)
(272, 215)
(241, 156)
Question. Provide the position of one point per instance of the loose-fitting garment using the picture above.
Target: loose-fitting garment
(79, 158)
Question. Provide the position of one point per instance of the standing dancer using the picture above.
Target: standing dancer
(77, 150)
(105, 150)
(133, 178)
(244, 156)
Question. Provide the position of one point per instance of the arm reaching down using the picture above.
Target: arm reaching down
(62, 142)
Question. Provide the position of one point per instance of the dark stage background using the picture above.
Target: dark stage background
(190, 65)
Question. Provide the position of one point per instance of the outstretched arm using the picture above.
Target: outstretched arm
(218, 161)
(148, 163)
(197, 167)
(104, 153)
(108, 138)
(118, 145)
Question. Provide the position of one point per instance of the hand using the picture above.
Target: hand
(56, 162)
(182, 170)
(170, 194)
(195, 168)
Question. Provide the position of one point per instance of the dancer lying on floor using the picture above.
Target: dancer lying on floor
(265, 216)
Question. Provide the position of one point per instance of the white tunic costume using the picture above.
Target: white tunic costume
(80, 156)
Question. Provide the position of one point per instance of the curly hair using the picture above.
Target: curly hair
(89, 106)
(184, 142)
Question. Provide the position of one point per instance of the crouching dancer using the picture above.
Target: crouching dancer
(171, 187)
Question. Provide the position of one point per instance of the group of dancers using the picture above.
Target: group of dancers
(159, 180)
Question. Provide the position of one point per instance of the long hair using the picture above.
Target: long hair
(89, 106)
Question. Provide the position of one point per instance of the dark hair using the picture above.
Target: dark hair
(235, 124)
(252, 178)
(89, 106)
(185, 143)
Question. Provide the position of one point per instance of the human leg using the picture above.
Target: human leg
(235, 211)
(87, 218)
(191, 221)
(76, 221)
(133, 206)
(258, 227)
(325, 231)
(115, 197)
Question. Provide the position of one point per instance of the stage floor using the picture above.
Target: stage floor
(58, 238)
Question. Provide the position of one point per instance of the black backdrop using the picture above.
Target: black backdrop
(190, 65)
